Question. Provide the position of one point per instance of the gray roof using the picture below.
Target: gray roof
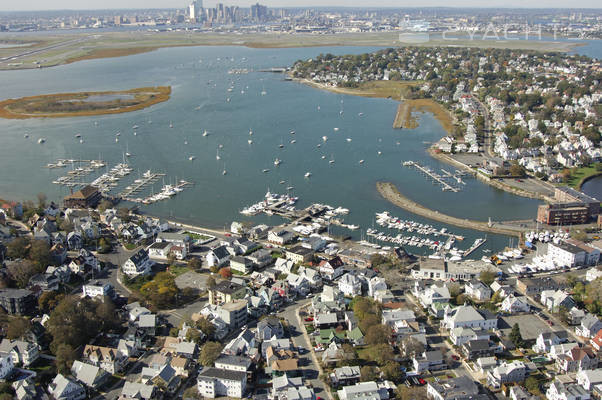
(86, 373)
(135, 390)
(146, 321)
(224, 374)
(462, 388)
(233, 360)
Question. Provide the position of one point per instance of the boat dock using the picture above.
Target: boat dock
(478, 243)
(147, 179)
(435, 177)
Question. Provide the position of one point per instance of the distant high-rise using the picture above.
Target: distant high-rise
(258, 12)
(193, 9)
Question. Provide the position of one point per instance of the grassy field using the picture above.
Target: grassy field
(78, 104)
(85, 46)
(580, 175)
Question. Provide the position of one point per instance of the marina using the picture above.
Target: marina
(446, 181)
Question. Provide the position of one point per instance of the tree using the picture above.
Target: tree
(411, 347)
(487, 276)
(193, 335)
(39, 254)
(108, 317)
(392, 371)
(210, 282)
(171, 259)
(21, 271)
(454, 290)
(209, 353)
(17, 328)
(532, 385)
(404, 392)
(124, 214)
(18, 248)
(225, 272)
(195, 264)
(42, 200)
(515, 336)
(206, 327)
(48, 300)
(191, 393)
(367, 321)
(516, 169)
(104, 246)
(368, 373)
(65, 355)
(377, 334)
(161, 291)
(380, 353)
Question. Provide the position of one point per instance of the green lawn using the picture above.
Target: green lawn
(178, 270)
(581, 174)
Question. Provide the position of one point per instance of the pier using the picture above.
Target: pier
(390, 192)
(434, 176)
(478, 243)
(147, 178)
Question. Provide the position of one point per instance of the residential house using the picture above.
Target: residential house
(6, 365)
(63, 388)
(218, 256)
(44, 282)
(554, 300)
(245, 344)
(109, 359)
(429, 361)
(213, 382)
(535, 286)
(589, 378)
(477, 290)
(23, 353)
(332, 269)
(561, 391)
(260, 258)
(546, 340)
(280, 236)
(468, 316)
(453, 389)
(376, 284)
(241, 264)
(364, 390)
(345, 376)
(576, 359)
(17, 301)
(474, 349)
(596, 342)
(484, 364)
(226, 292)
(589, 327)
(431, 294)
(512, 305)
(234, 363)
(138, 264)
(98, 289)
(75, 241)
(299, 254)
(268, 328)
(88, 374)
(461, 335)
(138, 391)
(350, 285)
(159, 250)
(234, 313)
(507, 372)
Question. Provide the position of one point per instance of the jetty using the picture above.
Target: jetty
(390, 192)
(477, 243)
(147, 179)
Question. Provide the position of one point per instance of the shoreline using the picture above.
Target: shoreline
(154, 95)
(391, 193)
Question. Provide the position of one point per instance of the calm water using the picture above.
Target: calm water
(200, 83)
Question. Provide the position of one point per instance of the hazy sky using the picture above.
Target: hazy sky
(11, 5)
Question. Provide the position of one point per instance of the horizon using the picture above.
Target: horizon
(383, 5)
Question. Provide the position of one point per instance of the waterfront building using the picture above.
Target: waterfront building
(569, 206)
(87, 197)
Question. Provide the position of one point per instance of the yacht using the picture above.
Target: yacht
(324, 138)
(348, 139)
(307, 174)
(277, 162)
(250, 141)
(78, 135)
(41, 140)
(293, 141)
(361, 161)
(205, 133)
(217, 157)
(251, 132)
(336, 129)
(191, 158)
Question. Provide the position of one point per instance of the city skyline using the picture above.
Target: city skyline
(35, 5)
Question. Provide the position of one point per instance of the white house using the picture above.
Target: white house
(560, 391)
(554, 299)
(218, 256)
(350, 285)
(513, 304)
(477, 290)
(432, 294)
(593, 274)
(589, 327)
(138, 264)
(97, 289)
(514, 371)
(63, 388)
(589, 378)
(546, 340)
(468, 317)
(364, 390)
(23, 353)
(213, 382)
(280, 236)
(462, 335)
(159, 250)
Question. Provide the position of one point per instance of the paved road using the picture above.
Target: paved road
(307, 363)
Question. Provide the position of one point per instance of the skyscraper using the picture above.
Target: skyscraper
(193, 10)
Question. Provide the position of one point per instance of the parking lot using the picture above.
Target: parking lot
(530, 325)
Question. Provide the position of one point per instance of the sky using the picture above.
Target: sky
(11, 5)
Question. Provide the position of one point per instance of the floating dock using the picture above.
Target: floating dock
(435, 177)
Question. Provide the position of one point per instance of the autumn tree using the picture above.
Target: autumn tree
(18, 248)
(48, 300)
(20, 271)
(368, 373)
(209, 353)
(377, 334)
(225, 272)
(487, 276)
(65, 356)
(392, 371)
(17, 328)
(404, 392)
(161, 291)
(206, 327)
(210, 284)
(380, 353)
(195, 264)
(411, 347)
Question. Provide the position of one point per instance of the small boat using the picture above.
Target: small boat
(250, 141)
(78, 135)
(118, 134)
(324, 138)
(116, 140)
(361, 161)
(336, 129)
(290, 188)
(293, 141)
(220, 146)
(81, 140)
(348, 139)
(217, 157)
(170, 124)
(191, 158)
(228, 100)
(265, 170)
(41, 140)
(135, 134)
(186, 142)
(319, 145)
(250, 132)
(380, 152)
(307, 174)
(360, 114)
(331, 161)
(224, 172)
(277, 162)
(205, 133)
(26, 135)
(281, 145)
(282, 182)
(323, 157)
(135, 127)
(292, 132)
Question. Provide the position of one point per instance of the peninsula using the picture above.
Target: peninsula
(83, 103)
